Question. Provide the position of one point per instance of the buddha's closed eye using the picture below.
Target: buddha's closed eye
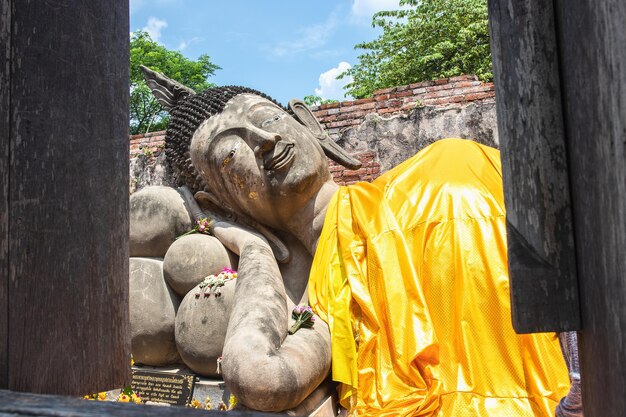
(271, 120)
(230, 155)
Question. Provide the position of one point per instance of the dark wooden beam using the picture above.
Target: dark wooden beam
(542, 263)
(21, 404)
(67, 195)
(593, 71)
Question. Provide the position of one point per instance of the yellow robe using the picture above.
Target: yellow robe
(411, 275)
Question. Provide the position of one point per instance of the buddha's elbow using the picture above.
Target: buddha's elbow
(268, 383)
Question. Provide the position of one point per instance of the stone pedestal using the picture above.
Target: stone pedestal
(322, 402)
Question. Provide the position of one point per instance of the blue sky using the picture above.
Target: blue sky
(285, 48)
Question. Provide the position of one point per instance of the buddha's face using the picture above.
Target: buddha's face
(269, 163)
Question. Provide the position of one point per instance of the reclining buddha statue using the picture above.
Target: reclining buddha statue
(407, 275)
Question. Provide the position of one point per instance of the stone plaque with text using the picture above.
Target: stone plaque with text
(169, 388)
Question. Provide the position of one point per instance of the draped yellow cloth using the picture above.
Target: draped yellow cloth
(411, 275)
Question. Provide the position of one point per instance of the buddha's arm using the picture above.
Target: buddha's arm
(263, 367)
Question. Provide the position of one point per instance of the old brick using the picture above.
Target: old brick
(420, 90)
(353, 115)
(320, 113)
(437, 94)
(405, 93)
(429, 101)
(356, 173)
(442, 81)
(366, 157)
(478, 88)
(364, 100)
(403, 87)
(385, 91)
(381, 97)
(329, 106)
(347, 109)
(366, 106)
(421, 84)
(479, 96)
(439, 87)
(457, 99)
(464, 84)
(333, 111)
(341, 123)
(389, 110)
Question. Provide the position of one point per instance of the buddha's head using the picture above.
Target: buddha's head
(251, 154)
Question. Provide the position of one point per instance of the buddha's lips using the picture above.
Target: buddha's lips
(283, 153)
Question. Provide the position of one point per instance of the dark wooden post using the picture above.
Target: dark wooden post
(542, 263)
(5, 88)
(592, 44)
(64, 183)
(580, 47)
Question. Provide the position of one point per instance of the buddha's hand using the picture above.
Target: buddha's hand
(233, 234)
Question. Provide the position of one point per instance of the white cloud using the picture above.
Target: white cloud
(363, 10)
(330, 87)
(154, 27)
(309, 38)
(184, 44)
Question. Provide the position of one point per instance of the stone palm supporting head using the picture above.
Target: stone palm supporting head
(259, 159)
(240, 150)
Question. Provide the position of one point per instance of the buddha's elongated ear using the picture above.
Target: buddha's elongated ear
(304, 115)
(169, 93)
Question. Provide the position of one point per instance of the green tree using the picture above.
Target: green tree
(317, 100)
(426, 40)
(145, 112)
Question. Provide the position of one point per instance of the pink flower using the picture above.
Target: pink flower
(228, 270)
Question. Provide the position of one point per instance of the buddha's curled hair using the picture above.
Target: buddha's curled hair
(185, 119)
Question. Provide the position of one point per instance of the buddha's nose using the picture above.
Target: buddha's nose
(264, 141)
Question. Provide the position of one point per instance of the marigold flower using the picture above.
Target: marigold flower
(232, 402)
(102, 396)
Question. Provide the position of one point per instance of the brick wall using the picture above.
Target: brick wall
(149, 144)
(337, 117)
(370, 169)
(449, 92)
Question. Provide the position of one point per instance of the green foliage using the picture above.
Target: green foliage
(145, 112)
(316, 100)
(428, 39)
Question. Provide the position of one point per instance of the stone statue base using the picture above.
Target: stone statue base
(322, 402)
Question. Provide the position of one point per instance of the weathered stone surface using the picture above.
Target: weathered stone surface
(147, 169)
(401, 136)
(201, 324)
(153, 308)
(193, 257)
(157, 216)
